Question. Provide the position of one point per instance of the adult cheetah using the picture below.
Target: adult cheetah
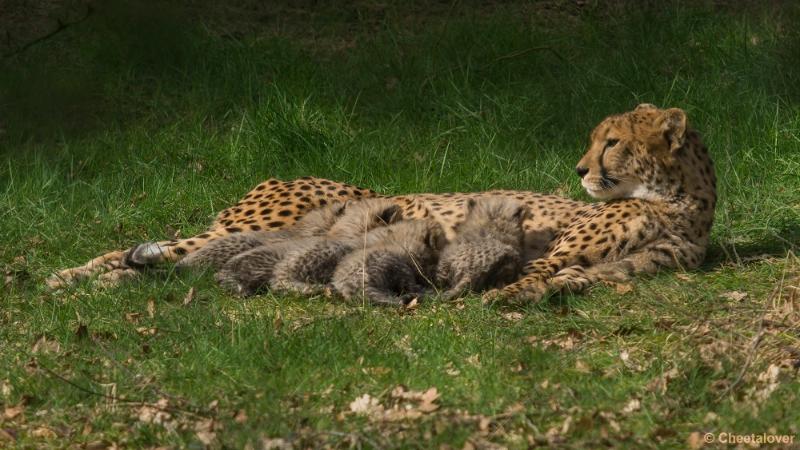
(649, 169)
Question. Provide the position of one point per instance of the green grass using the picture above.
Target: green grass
(136, 125)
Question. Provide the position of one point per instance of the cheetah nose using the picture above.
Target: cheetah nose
(581, 171)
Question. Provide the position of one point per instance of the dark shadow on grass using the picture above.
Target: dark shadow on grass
(784, 238)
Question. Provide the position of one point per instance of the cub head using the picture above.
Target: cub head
(361, 216)
(499, 216)
(631, 155)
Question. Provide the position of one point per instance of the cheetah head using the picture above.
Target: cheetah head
(629, 154)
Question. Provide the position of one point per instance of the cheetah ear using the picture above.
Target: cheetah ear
(645, 106)
(673, 125)
(391, 214)
(471, 204)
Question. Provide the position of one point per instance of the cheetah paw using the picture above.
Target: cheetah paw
(493, 296)
(145, 254)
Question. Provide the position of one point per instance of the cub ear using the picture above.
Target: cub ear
(471, 204)
(391, 215)
(338, 208)
(673, 125)
(520, 213)
(435, 238)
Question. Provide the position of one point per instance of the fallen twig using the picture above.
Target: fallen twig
(119, 400)
(61, 26)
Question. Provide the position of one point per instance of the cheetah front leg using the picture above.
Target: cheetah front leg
(647, 261)
(534, 285)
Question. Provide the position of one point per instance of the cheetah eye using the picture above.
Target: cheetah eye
(611, 142)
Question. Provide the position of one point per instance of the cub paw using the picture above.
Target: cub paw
(231, 283)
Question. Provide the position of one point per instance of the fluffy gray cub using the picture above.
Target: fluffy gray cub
(397, 265)
(309, 266)
(487, 249)
(218, 252)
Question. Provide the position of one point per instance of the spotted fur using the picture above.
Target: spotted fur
(650, 170)
(303, 256)
(218, 252)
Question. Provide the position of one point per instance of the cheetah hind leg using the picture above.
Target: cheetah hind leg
(114, 267)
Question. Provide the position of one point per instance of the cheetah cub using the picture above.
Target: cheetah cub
(486, 251)
(218, 252)
(396, 265)
(303, 263)
(309, 267)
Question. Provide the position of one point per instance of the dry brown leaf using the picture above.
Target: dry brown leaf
(44, 345)
(104, 445)
(513, 316)
(204, 430)
(735, 296)
(6, 435)
(44, 432)
(11, 412)
(151, 307)
(659, 384)
(625, 356)
(5, 388)
(189, 296)
(565, 341)
(365, 405)
(623, 288)
(581, 313)
(376, 371)
(240, 416)
(133, 317)
(276, 444)
(450, 369)
(206, 437)
(582, 367)
(147, 331)
(155, 412)
(683, 277)
(427, 400)
(767, 381)
(632, 406)
(695, 440)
